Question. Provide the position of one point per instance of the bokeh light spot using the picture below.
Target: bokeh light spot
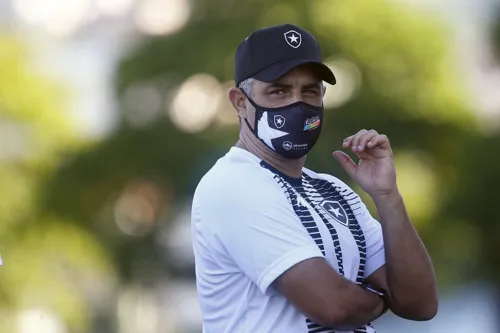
(142, 103)
(136, 209)
(348, 82)
(57, 17)
(39, 321)
(114, 7)
(196, 103)
(162, 17)
(417, 183)
(226, 114)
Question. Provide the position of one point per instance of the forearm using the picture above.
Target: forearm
(357, 307)
(410, 273)
(326, 297)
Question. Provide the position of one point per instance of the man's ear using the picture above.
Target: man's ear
(238, 99)
(324, 90)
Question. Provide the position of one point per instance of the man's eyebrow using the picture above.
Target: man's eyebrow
(312, 85)
(279, 85)
(284, 85)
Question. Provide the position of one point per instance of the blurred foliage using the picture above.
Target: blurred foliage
(48, 262)
(409, 64)
(495, 33)
(60, 231)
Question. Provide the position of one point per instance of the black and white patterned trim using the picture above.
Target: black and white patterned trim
(314, 191)
(347, 199)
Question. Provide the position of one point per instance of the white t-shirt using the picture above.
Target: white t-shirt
(251, 223)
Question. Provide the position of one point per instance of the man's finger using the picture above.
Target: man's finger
(380, 140)
(363, 140)
(346, 162)
(347, 141)
(356, 137)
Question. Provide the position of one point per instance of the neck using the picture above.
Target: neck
(290, 167)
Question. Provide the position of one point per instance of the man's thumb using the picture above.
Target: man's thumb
(346, 162)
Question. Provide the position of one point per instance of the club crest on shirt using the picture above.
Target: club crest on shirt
(335, 210)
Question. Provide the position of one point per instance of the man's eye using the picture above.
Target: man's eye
(311, 92)
(277, 92)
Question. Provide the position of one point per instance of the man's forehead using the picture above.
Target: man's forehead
(302, 75)
(289, 80)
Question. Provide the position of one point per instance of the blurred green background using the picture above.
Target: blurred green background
(112, 110)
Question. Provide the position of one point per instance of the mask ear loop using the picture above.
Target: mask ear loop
(254, 130)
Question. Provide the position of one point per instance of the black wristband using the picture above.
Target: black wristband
(380, 293)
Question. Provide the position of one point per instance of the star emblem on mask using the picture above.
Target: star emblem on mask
(266, 133)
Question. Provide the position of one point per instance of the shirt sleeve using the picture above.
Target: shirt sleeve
(372, 229)
(255, 226)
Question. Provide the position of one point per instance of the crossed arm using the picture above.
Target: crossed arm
(408, 274)
(326, 297)
(408, 277)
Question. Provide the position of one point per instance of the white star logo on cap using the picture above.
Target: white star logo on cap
(293, 38)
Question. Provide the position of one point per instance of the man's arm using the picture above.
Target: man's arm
(326, 297)
(408, 274)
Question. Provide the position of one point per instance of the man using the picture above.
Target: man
(282, 249)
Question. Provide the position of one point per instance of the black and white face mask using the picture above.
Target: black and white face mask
(291, 130)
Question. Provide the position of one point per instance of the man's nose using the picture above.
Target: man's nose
(297, 96)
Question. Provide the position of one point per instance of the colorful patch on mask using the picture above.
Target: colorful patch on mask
(312, 123)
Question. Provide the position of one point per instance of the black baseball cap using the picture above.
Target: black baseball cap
(269, 53)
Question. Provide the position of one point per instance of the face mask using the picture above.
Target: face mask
(291, 130)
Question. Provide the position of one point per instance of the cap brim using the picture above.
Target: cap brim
(279, 69)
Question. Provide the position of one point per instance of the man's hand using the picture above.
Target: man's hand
(375, 172)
